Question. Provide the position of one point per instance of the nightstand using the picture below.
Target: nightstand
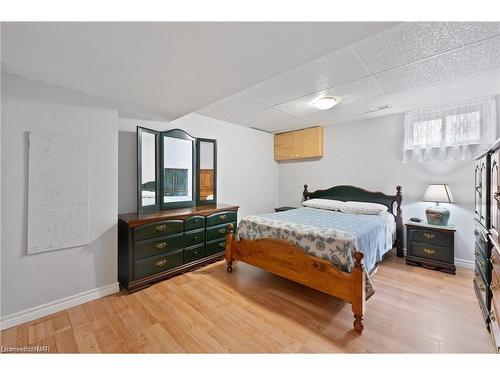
(285, 208)
(431, 246)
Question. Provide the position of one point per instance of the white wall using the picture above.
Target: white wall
(33, 280)
(369, 154)
(247, 174)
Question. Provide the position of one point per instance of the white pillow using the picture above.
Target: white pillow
(364, 208)
(325, 204)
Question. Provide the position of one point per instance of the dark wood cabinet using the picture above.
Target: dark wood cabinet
(494, 195)
(162, 244)
(431, 246)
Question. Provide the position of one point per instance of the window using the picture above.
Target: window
(449, 133)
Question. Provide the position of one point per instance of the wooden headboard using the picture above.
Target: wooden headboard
(352, 193)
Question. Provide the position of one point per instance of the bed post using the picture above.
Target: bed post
(399, 223)
(305, 193)
(358, 291)
(229, 244)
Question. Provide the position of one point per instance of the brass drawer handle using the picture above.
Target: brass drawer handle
(428, 236)
(496, 195)
(222, 230)
(161, 228)
(222, 217)
(493, 286)
(429, 251)
(476, 253)
(482, 287)
(493, 259)
(476, 232)
(482, 263)
(161, 245)
(492, 316)
(222, 244)
(160, 263)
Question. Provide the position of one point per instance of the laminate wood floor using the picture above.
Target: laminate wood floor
(250, 310)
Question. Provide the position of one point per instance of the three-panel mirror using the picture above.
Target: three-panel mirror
(174, 170)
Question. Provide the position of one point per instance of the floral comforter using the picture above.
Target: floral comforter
(330, 235)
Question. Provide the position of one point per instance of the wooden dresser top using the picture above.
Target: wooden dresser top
(135, 219)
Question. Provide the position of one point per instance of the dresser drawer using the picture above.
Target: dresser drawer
(482, 262)
(194, 237)
(495, 263)
(481, 289)
(218, 231)
(149, 248)
(495, 324)
(153, 265)
(481, 240)
(429, 236)
(221, 217)
(194, 253)
(161, 228)
(429, 251)
(194, 222)
(216, 246)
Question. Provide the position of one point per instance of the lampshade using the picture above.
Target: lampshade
(438, 193)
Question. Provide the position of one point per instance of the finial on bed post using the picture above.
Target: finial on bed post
(305, 194)
(399, 223)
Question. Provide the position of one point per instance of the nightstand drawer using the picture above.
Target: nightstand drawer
(429, 251)
(429, 236)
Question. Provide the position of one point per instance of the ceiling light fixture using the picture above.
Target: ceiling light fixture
(326, 102)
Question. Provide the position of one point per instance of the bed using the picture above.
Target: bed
(327, 250)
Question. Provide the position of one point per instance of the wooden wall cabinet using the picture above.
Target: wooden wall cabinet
(299, 144)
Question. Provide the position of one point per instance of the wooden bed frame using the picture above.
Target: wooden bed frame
(292, 262)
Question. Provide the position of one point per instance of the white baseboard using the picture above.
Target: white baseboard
(56, 306)
(463, 263)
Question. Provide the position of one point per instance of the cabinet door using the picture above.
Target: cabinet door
(477, 190)
(308, 143)
(284, 146)
(495, 195)
(484, 191)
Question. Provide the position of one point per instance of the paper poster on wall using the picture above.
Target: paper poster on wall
(58, 192)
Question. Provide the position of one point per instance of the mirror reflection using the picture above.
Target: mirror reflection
(148, 169)
(177, 169)
(207, 170)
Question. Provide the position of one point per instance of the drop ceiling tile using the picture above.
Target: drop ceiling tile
(348, 93)
(270, 120)
(232, 106)
(412, 41)
(467, 60)
(477, 85)
(328, 71)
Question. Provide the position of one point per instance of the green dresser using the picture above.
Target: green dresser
(431, 246)
(159, 245)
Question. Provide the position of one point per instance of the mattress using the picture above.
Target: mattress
(330, 235)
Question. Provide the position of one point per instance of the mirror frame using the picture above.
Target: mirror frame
(156, 206)
(181, 134)
(198, 162)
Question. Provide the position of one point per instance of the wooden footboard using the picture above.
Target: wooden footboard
(291, 262)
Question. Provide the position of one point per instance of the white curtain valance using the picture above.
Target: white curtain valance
(447, 133)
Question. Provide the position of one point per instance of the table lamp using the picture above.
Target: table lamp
(437, 215)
